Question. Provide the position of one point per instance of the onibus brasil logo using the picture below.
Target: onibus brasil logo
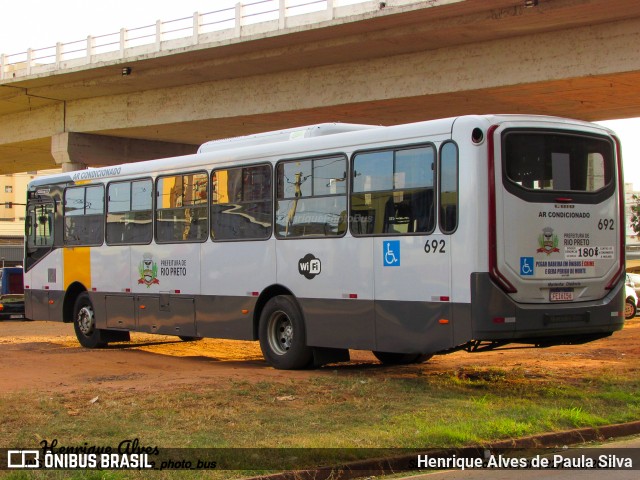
(148, 270)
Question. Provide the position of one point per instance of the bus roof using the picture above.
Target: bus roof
(276, 143)
(282, 136)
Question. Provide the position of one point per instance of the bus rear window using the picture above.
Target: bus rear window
(557, 162)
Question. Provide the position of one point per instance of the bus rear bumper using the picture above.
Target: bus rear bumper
(496, 317)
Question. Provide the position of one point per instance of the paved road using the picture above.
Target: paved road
(627, 448)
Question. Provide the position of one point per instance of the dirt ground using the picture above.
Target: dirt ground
(45, 356)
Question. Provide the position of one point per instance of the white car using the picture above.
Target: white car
(631, 301)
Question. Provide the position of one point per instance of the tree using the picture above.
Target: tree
(635, 214)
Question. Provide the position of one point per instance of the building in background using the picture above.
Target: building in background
(632, 238)
(633, 242)
(13, 191)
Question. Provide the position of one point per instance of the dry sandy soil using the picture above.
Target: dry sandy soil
(45, 356)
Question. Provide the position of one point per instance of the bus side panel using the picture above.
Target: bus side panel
(120, 311)
(45, 285)
(332, 281)
(221, 316)
(413, 293)
(233, 274)
(166, 314)
(110, 269)
(167, 268)
(37, 304)
(339, 323)
(413, 327)
(469, 242)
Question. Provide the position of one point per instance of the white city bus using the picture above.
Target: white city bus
(470, 232)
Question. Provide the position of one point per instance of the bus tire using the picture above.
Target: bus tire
(282, 334)
(388, 358)
(629, 309)
(84, 323)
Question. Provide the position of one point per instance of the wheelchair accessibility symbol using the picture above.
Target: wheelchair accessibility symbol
(391, 253)
(526, 266)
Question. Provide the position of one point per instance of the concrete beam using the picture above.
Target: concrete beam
(75, 151)
(506, 63)
(37, 123)
(573, 58)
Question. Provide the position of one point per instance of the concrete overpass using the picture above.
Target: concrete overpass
(374, 62)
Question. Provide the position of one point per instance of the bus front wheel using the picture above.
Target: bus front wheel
(84, 323)
(389, 358)
(282, 334)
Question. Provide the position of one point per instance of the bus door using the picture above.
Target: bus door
(39, 228)
(555, 220)
(394, 200)
(412, 293)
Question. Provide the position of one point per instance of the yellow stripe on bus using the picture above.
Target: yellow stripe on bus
(77, 266)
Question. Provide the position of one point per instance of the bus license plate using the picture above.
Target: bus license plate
(561, 294)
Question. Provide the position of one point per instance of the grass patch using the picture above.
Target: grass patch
(477, 405)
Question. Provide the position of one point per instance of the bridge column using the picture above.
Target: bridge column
(75, 151)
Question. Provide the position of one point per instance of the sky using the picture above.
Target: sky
(43, 23)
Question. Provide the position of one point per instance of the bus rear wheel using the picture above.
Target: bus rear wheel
(84, 323)
(389, 358)
(282, 334)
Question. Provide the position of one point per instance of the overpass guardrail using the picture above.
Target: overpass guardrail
(223, 25)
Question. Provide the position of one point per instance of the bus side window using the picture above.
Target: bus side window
(129, 212)
(84, 215)
(241, 203)
(182, 211)
(448, 187)
(311, 199)
(393, 191)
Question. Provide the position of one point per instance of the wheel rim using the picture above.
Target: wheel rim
(280, 333)
(628, 309)
(86, 320)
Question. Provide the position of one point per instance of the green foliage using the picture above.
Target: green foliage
(635, 214)
(470, 406)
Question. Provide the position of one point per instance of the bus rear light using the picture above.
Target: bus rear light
(176, 291)
(443, 321)
(51, 302)
(444, 298)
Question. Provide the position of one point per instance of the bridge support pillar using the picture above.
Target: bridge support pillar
(75, 151)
